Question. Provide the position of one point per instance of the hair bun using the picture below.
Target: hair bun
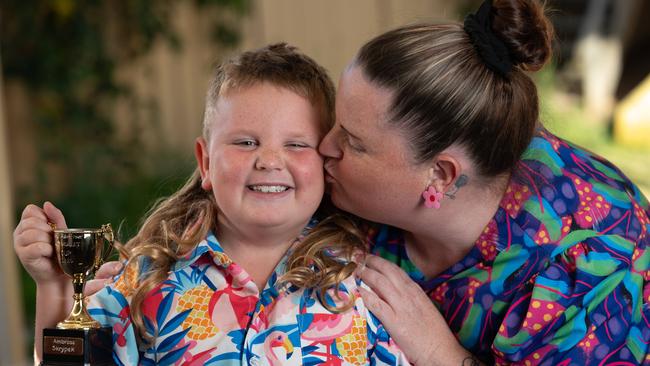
(526, 31)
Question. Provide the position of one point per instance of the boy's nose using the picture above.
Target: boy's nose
(268, 159)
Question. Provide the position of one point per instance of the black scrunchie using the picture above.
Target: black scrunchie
(491, 49)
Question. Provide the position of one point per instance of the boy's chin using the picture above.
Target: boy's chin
(278, 221)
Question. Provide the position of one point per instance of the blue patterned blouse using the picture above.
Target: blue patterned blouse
(560, 274)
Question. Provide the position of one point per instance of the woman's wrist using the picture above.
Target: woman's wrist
(451, 355)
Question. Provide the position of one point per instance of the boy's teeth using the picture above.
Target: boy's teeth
(269, 189)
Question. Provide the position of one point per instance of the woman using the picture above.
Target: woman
(533, 250)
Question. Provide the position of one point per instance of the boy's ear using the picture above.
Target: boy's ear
(202, 155)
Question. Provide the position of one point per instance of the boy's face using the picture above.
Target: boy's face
(261, 159)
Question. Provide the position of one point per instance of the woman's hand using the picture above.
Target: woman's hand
(409, 316)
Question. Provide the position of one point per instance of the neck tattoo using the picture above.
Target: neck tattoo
(458, 184)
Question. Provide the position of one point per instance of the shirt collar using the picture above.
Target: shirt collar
(210, 245)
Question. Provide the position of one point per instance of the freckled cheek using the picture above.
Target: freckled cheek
(229, 169)
(308, 170)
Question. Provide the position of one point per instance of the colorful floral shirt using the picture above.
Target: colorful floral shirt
(560, 274)
(210, 312)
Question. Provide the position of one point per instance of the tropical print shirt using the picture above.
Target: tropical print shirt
(559, 276)
(210, 312)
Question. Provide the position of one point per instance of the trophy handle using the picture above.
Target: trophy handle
(107, 232)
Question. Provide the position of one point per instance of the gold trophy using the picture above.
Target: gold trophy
(79, 339)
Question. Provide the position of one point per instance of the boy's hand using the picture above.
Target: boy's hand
(34, 244)
(103, 276)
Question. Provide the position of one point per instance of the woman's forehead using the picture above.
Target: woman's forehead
(360, 100)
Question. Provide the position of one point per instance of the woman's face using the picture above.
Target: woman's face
(369, 165)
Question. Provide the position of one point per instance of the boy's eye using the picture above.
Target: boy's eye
(297, 145)
(246, 143)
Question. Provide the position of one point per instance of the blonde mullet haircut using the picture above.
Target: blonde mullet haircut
(172, 229)
(326, 257)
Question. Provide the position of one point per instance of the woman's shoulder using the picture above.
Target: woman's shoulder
(559, 188)
(551, 160)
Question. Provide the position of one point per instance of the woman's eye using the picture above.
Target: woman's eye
(353, 144)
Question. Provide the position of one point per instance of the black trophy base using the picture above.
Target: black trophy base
(67, 347)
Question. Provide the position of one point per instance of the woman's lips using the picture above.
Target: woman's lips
(328, 177)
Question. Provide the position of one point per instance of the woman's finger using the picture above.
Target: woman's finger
(379, 284)
(389, 269)
(377, 306)
(405, 310)
(389, 281)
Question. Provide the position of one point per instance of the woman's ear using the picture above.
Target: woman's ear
(445, 169)
(201, 152)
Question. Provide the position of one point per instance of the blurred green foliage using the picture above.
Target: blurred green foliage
(66, 53)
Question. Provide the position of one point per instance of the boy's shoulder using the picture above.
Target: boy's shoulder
(127, 281)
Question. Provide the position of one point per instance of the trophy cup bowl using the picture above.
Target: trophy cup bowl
(80, 252)
(79, 339)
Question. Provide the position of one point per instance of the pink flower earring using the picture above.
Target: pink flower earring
(432, 198)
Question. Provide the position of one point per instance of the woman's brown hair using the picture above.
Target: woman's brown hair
(445, 94)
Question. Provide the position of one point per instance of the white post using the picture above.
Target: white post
(12, 331)
(599, 52)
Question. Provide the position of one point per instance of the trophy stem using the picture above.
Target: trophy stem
(78, 283)
(79, 317)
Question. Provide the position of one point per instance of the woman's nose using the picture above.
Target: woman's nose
(268, 159)
(329, 146)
